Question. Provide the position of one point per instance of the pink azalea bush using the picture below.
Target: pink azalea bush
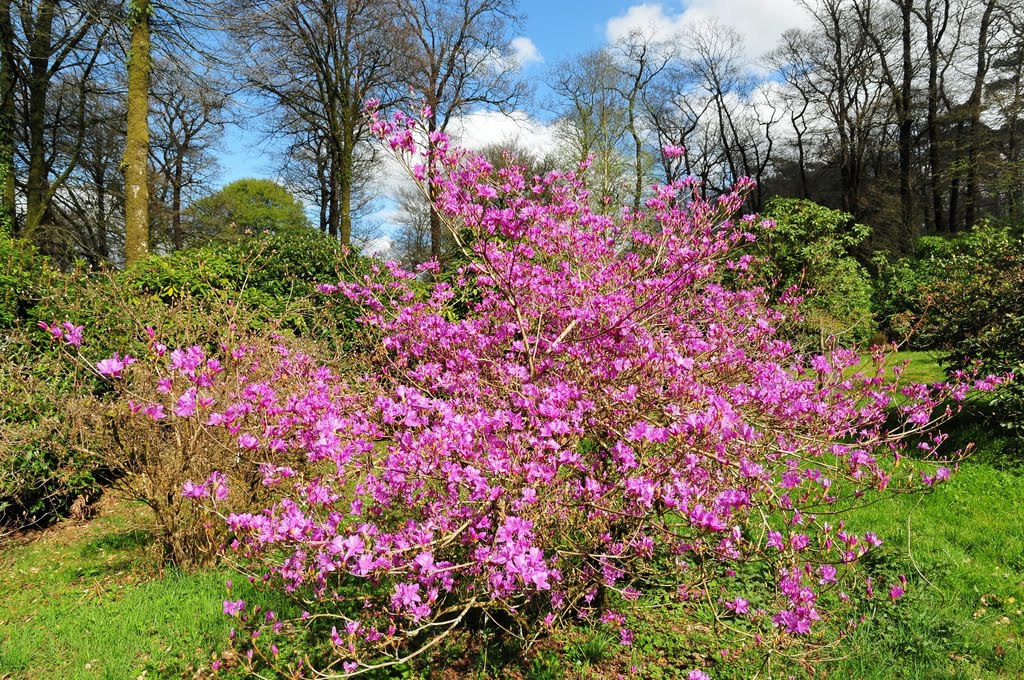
(594, 410)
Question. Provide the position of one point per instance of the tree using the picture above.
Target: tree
(188, 118)
(7, 119)
(136, 151)
(318, 62)
(1006, 94)
(832, 70)
(50, 46)
(459, 57)
(88, 211)
(246, 206)
(592, 121)
(411, 245)
(639, 59)
(882, 32)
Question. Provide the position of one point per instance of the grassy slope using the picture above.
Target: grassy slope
(963, 614)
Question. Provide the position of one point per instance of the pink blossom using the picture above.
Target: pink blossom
(673, 151)
(112, 367)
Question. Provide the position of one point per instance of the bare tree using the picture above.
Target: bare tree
(592, 122)
(46, 42)
(639, 60)
(88, 210)
(318, 62)
(8, 121)
(187, 115)
(459, 56)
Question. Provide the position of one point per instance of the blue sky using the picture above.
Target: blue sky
(554, 30)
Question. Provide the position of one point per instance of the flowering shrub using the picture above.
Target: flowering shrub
(604, 420)
(185, 431)
(178, 424)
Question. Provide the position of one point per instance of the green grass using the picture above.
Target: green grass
(964, 613)
(922, 367)
(85, 602)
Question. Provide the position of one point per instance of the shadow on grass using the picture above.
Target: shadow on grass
(125, 540)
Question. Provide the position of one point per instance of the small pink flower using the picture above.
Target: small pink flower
(673, 151)
(193, 490)
(739, 606)
(112, 367)
(72, 334)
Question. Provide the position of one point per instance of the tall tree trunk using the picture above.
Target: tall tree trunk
(36, 187)
(906, 126)
(638, 160)
(954, 185)
(934, 170)
(935, 29)
(435, 217)
(136, 152)
(974, 111)
(7, 120)
(345, 189)
(176, 231)
(334, 199)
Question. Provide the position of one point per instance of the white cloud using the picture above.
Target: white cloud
(483, 128)
(761, 22)
(525, 52)
(377, 246)
(473, 130)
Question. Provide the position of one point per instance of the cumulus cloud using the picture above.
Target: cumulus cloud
(377, 246)
(761, 22)
(525, 52)
(482, 128)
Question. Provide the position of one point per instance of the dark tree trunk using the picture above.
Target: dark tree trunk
(974, 112)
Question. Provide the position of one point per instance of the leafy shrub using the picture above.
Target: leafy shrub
(154, 456)
(49, 456)
(273, 275)
(963, 296)
(809, 247)
(602, 422)
(24, 275)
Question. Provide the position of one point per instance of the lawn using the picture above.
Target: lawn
(84, 601)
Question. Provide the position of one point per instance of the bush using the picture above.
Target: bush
(809, 248)
(603, 422)
(48, 456)
(24, 275)
(962, 296)
(274, 275)
(53, 446)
